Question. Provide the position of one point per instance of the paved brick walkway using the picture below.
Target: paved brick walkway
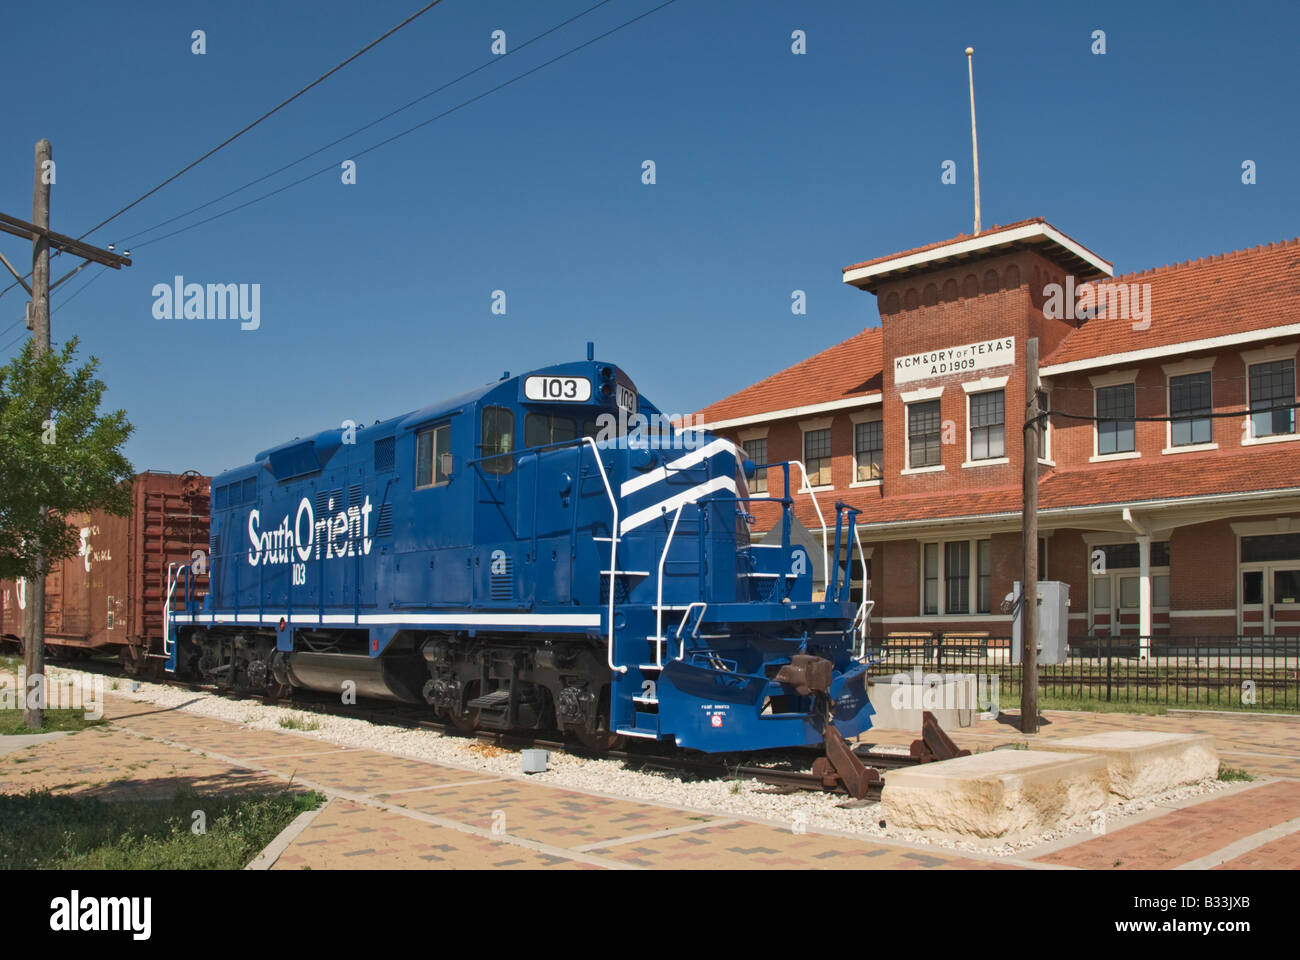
(390, 812)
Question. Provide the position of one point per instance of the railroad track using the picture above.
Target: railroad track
(790, 770)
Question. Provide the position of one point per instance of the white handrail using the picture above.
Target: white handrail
(613, 551)
(862, 559)
(681, 652)
(864, 611)
(808, 486)
(167, 604)
(659, 603)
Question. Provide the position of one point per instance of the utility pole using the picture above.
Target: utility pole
(1029, 575)
(38, 313)
(34, 653)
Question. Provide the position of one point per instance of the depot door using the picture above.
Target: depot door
(1270, 601)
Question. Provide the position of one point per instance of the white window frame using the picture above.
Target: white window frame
(910, 397)
(1267, 355)
(866, 416)
(811, 426)
(1182, 369)
(973, 588)
(757, 433)
(974, 388)
(1115, 378)
(1045, 454)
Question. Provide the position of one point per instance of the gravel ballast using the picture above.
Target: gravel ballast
(727, 797)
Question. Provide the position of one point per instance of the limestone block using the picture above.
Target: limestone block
(1001, 794)
(1143, 763)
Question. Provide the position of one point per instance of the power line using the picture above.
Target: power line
(397, 136)
(71, 297)
(275, 109)
(372, 123)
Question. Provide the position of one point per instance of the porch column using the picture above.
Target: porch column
(1144, 594)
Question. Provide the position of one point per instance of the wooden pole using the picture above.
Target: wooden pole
(1029, 575)
(34, 655)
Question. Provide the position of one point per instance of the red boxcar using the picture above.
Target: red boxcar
(109, 598)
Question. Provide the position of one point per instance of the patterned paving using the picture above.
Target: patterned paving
(1186, 834)
(564, 818)
(351, 836)
(396, 813)
(740, 845)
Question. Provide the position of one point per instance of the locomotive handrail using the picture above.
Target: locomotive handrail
(816, 506)
(660, 640)
(167, 603)
(681, 652)
(864, 610)
(613, 550)
(863, 561)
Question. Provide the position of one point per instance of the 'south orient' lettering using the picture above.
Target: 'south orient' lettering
(340, 534)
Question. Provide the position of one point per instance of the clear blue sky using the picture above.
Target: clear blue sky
(774, 171)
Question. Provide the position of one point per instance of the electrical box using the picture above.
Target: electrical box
(1053, 623)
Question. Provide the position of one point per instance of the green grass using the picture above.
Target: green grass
(12, 723)
(296, 722)
(1230, 774)
(48, 832)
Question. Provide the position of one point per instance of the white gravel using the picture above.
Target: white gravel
(744, 798)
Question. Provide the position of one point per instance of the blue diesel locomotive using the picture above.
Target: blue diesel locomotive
(547, 552)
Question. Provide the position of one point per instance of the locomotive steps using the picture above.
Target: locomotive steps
(1061, 784)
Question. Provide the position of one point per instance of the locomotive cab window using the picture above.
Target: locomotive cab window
(541, 429)
(433, 456)
(498, 439)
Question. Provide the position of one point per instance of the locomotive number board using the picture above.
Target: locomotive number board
(562, 389)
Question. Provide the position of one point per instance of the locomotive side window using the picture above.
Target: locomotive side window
(498, 438)
(433, 456)
(541, 429)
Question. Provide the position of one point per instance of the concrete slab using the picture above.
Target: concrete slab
(1001, 794)
(22, 741)
(900, 699)
(1141, 762)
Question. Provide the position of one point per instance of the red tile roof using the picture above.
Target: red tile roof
(849, 369)
(1211, 297)
(995, 229)
(1130, 483)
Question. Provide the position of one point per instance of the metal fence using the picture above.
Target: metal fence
(1242, 673)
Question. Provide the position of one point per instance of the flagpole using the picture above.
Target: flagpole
(974, 141)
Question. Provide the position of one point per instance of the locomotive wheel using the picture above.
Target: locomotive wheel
(601, 742)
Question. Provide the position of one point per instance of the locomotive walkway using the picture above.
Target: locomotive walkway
(386, 811)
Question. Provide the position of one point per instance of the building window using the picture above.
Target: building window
(987, 425)
(1043, 451)
(1272, 385)
(956, 567)
(930, 600)
(869, 449)
(984, 600)
(817, 457)
(924, 430)
(433, 456)
(498, 440)
(1116, 429)
(1190, 406)
(1127, 556)
(756, 450)
(963, 590)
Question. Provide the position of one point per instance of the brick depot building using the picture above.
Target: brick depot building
(917, 423)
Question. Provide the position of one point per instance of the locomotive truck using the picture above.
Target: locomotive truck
(546, 552)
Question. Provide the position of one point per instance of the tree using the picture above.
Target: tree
(59, 456)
